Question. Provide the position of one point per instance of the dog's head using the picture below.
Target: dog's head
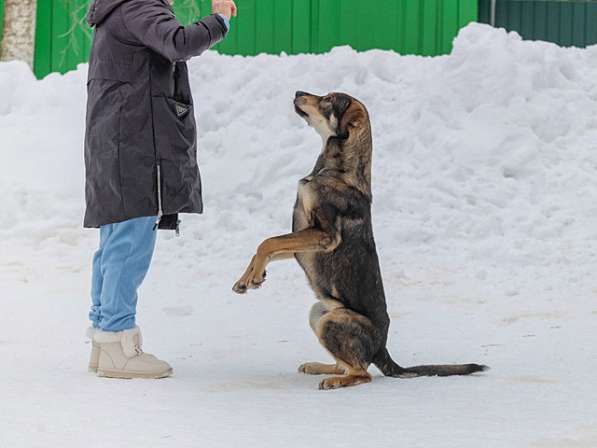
(333, 115)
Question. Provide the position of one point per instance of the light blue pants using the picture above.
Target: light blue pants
(119, 267)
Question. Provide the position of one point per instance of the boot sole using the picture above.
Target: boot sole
(133, 375)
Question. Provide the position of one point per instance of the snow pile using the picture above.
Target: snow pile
(485, 211)
(493, 145)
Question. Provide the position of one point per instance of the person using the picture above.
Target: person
(140, 160)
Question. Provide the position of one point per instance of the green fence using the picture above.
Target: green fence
(425, 27)
(62, 37)
(1, 24)
(564, 22)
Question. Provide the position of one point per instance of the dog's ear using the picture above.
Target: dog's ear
(352, 118)
(341, 103)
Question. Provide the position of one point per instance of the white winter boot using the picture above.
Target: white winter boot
(121, 356)
(95, 351)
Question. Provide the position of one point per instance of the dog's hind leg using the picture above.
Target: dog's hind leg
(352, 378)
(318, 368)
(351, 339)
(319, 310)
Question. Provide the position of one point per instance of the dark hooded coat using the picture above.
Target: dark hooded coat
(140, 142)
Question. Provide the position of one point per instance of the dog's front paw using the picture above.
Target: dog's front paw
(258, 279)
(240, 287)
(253, 278)
(244, 284)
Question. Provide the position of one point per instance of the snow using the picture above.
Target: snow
(485, 213)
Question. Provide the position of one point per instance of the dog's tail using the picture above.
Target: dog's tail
(388, 367)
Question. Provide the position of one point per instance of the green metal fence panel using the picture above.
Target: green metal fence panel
(1, 24)
(62, 38)
(425, 27)
(42, 61)
(564, 22)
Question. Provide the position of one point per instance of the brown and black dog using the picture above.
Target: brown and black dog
(332, 240)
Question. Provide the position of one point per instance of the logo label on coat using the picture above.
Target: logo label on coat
(182, 109)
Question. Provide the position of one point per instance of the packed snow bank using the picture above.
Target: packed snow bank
(485, 212)
(493, 145)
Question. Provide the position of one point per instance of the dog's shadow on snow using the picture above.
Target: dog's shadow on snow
(284, 381)
(290, 381)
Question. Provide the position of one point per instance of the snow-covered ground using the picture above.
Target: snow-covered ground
(485, 212)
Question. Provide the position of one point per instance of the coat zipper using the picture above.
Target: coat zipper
(160, 210)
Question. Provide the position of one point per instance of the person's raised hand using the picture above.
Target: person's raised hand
(224, 7)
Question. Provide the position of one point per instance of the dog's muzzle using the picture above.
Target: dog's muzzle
(300, 111)
(297, 103)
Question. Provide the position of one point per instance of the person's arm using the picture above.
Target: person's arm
(226, 21)
(153, 24)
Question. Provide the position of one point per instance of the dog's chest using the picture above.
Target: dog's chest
(302, 217)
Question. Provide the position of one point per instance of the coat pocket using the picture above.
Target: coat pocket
(176, 153)
(175, 131)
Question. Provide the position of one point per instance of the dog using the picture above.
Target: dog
(332, 240)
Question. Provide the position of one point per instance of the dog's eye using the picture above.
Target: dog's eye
(326, 101)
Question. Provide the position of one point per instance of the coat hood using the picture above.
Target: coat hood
(101, 9)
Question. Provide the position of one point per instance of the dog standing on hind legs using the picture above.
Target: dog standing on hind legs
(332, 240)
